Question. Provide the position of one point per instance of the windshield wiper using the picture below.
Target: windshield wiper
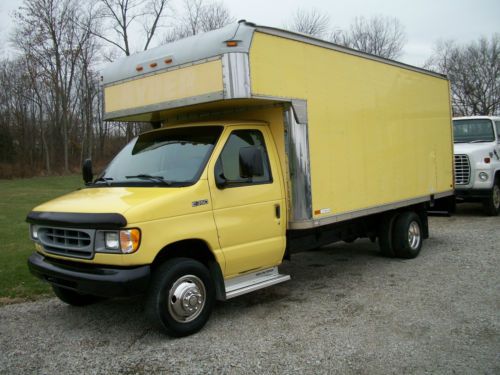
(106, 180)
(480, 141)
(151, 178)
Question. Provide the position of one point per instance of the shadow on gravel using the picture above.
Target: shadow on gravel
(470, 209)
(328, 270)
(313, 271)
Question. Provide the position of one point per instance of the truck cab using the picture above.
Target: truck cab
(207, 197)
(477, 161)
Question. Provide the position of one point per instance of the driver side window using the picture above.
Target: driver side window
(230, 159)
(497, 125)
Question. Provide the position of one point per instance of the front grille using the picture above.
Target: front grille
(462, 170)
(77, 243)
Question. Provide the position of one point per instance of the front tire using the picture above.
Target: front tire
(181, 297)
(74, 298)
(407, 235)
(492, 204)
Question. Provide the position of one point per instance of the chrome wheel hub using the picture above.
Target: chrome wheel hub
(414, 236)
(186, 298)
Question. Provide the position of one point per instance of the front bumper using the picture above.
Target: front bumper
(472, 194)
(92, 279)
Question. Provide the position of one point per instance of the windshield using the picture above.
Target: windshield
(473, 131)
(170, 157)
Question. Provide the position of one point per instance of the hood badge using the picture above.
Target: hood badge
(199, 203)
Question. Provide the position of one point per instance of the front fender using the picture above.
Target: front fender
(158, 234)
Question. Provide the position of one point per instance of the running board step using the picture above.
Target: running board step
(253, 281)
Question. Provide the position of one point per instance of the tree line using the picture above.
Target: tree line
(51, 105)
(50, 102)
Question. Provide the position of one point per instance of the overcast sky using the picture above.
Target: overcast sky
(425, 21)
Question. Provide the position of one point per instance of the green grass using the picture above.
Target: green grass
(17, 198)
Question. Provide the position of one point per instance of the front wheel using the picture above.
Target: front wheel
(181, 297)
(407, 235)
(492, 203)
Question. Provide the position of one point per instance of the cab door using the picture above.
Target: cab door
(248, 210)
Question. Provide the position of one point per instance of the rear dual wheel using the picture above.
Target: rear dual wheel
(407, 236)
(400, 235)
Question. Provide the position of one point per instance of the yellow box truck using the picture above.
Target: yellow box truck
(266, 142)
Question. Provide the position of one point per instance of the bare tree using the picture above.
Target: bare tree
(48, 32)
(214, 16)
(474, 73)
(121, 18)
(199, 16)
(381, 36)
(311, 22)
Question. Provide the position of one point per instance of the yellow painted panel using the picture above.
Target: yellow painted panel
(237, 209)
(164, 215)
(377, 133)
(182, 83)
(255, 110)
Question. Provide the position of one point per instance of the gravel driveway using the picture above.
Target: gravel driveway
(346, 310)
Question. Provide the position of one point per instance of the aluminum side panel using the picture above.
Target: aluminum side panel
(236, 75)
(297, 147)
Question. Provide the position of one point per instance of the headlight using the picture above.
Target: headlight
(124, 241)
(34, 232)
(483, 176)
(112, 240)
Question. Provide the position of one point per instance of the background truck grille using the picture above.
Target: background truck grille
(462, 170)
(77, 243)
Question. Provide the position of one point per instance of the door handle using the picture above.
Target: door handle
(277, 210)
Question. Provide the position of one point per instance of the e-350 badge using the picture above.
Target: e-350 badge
(199, 203)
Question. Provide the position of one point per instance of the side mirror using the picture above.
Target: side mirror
(87, 173)
(251, 162)
(220, 179)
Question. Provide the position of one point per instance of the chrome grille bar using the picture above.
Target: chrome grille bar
(462, 170)
(77, 243)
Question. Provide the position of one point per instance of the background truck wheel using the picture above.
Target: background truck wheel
(385, 236)
(350, 239)
(181, 297)
(407, 235)
(492, 203)
(74, 298)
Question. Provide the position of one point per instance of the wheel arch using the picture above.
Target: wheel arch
(196, 249)
(496, 177)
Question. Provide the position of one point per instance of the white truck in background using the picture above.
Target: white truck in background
(477, 161)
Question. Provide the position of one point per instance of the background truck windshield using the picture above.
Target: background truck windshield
(170, 157)
(477, 130)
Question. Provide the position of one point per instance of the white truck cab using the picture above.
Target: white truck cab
(477, 161)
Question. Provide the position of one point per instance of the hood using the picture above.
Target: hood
(136, 204)
(469, 148)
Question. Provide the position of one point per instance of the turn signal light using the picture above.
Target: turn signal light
(231, 43)
(129, 240)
